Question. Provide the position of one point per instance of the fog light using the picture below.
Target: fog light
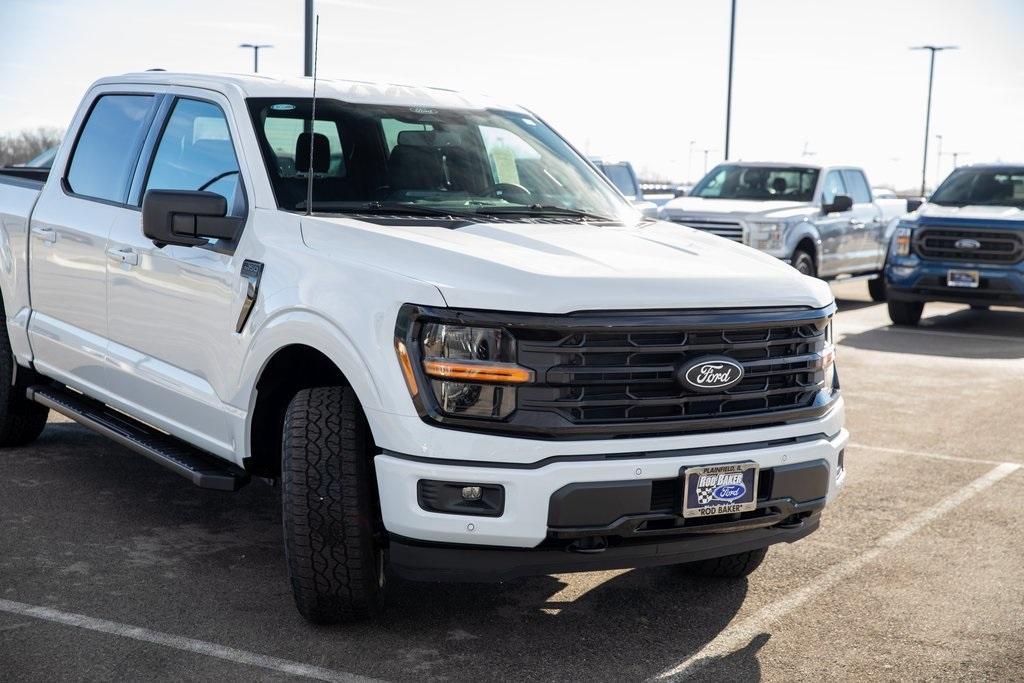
(902, 271)
(461, 498)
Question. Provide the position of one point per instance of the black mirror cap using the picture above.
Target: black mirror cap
(841, 203)
(914, 203)
(186, 217)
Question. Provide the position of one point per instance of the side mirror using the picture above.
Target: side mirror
(679, 192)
(187, 217)
(841, 203)
(914, 204)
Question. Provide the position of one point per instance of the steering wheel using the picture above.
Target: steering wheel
(214, 179)
(512, 190)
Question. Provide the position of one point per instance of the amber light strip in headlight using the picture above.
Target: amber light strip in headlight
(464, 371)
(406, 363)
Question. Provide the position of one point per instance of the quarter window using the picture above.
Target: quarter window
(196, 153)
(108, 147)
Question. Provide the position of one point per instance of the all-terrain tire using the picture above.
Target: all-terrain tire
(21, 420)
(330, 509)
(804, 263)
(876, 288)
(729, 567)
(906, 312)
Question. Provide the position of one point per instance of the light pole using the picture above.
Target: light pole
(728, 96)
(955, 156)
(706, 160)
(307, 69)
(255, 54)
(928, 114)
(689, 162)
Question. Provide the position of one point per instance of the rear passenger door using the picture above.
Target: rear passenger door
(70, 227)
(834, 228)
(866, 222)
(174, 309)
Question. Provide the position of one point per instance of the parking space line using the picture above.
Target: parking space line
(736, 637)
(936, 456)
(201, 647)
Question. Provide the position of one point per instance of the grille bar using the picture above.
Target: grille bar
(732, 230)
(994, 246)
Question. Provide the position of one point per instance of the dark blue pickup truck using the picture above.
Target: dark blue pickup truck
(966, 245)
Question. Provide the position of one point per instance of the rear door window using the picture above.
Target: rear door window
(108, 147)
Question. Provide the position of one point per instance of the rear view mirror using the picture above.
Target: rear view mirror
(186, 217)
(841, 203)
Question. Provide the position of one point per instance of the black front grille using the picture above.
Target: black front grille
(979, 246)
(625, 376)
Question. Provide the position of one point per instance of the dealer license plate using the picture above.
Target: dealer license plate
(963, 278)
(720, 489)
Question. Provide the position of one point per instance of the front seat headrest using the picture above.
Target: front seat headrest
(321, 152)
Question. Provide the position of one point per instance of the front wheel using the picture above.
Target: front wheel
(906, 312)
(876, 288)
(729, 567)
(336, 561)
(804, 263)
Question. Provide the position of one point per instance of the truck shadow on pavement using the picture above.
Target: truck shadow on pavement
(131, 542)
(964, 333)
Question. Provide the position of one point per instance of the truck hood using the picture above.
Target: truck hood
(974, 212)
(738, 208)
(559, 268)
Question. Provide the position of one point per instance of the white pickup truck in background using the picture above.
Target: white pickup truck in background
(461, 353)
(821, 219)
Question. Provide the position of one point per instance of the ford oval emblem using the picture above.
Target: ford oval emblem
(710, 374)
(968, 243)
(729, 491)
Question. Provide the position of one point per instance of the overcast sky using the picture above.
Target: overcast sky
(626, 78)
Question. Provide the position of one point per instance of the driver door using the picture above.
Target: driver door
(172, 310)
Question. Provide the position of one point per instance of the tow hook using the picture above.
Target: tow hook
(589, 545)
(791, 522)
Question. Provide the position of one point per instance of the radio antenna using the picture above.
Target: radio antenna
(312, 121)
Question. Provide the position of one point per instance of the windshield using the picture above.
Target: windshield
(424, 160)
(781, 183)
(995, 186)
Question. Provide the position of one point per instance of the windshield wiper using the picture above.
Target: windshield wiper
(396, 208)
(543, 210)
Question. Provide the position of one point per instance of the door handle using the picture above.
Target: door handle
(125, 255)
(48, 235)
(856, 224)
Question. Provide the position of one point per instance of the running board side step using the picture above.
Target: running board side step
(198, 466)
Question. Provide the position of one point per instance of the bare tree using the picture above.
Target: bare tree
(21, 146)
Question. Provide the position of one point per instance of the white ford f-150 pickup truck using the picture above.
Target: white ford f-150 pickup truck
(823, 220)
(459, 351)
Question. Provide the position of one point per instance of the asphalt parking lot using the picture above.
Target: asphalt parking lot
(112, 568)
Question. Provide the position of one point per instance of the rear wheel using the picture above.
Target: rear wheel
(804, 263)
(906, 312)
(331, 517)
(728, 567)
(876, 288)
(21, 420)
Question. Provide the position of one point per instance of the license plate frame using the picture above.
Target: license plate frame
(712, 496)
(966, 279)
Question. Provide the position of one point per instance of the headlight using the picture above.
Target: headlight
(901, 240)
(766, 236)
(471, 370)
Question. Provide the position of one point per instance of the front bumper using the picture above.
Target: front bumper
(434, 562)
(534, 516)
(915, 279)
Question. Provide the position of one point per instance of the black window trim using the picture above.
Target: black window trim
(65, 185)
